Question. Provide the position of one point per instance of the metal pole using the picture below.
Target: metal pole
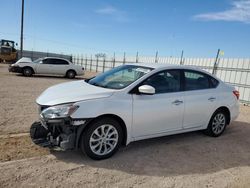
(124, 58)
(91, 64)
(21, 39)
(181, 62)
(156, 57)
(96, 69)
(81, 60)
(114, 60)
(103, 68)
(136, 60)
(85, 62)
(216, 62)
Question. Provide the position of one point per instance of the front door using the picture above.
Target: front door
(161, 112)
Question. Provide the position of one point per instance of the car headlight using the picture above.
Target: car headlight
(59, 111)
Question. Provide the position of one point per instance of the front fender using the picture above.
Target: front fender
(119, 106)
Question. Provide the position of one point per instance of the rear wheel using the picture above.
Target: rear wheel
(71, 74)
(217, 124)
(102, 139)
(27, 71)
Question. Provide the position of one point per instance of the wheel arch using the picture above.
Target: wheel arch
(29, 68)
(227, 111)
(71, 70)
(113, 116)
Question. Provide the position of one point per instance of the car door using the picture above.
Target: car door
(200, 99)
(44, 67)
(60, 66)
(161, 112)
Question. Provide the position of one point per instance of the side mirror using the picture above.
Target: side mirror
(146, 89)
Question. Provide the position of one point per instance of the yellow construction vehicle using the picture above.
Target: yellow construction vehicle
(8, 52)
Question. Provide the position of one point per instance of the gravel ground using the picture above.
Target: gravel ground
(18, 108)
(185, 160)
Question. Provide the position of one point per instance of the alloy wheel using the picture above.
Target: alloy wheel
(103, 140)
(219, 123)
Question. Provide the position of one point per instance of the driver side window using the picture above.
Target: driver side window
(165, 82)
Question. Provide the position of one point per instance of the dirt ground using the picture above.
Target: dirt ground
(185, 160)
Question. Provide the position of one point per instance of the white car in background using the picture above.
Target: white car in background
(48, 66)
(133, 102)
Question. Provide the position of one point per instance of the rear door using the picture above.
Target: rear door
(60, 66)
(200, 99)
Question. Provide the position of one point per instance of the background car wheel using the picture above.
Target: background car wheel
(217, 124)
(27, 71)
(102, 139)
(71, 74)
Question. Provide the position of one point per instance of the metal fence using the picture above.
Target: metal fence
(35, 55)
(235, 71)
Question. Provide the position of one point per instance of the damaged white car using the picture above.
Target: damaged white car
(132, 102)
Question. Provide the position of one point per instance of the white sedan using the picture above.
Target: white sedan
(48, 66)
(133, 102)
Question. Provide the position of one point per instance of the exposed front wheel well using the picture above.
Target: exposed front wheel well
(28, 71)
(27, 67)
(117, 118)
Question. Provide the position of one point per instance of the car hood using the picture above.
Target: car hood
(24, 60)
(72, 92)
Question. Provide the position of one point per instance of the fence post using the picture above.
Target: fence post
(156, 57)
(136, 60)
(96, 69)
(71, 58)
(81, 59)
(182, 62)
(103, 66)
(114, 61)
(124, 58)
(86, 62)
(91, 63)
(216, 62)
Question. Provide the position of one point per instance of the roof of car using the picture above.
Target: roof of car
(55, 58)
(171, 66)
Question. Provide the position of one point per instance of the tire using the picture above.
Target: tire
(96, 145)
(217, 124)
(71, 74)
(27, 71)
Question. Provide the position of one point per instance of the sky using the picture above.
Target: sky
(198, 27)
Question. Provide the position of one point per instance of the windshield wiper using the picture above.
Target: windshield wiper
(98, 85)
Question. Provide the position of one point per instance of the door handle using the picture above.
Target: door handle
(177, 102)
(211, 99)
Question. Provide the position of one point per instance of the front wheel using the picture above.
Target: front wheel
(217, 124)
(102, 139)
(27, 71)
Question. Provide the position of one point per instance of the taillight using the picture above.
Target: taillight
(237, 94)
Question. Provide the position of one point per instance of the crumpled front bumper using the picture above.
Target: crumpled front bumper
(15, 69)
(59, 133)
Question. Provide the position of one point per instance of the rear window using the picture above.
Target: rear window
(213, 82)
(196, 81)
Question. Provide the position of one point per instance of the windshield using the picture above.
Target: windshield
(119, 77)
(37, 60)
